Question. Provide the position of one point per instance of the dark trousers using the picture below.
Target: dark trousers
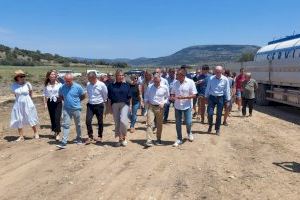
(91, 110)
(55, 109)
(214, 101)
(166, 110)
(249, 103)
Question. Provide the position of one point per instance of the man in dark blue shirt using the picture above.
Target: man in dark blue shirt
(119, 95)
(201, 83)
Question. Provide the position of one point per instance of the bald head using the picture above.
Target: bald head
(218, 71)
(69, 79)
(248, 76)
(158, 71)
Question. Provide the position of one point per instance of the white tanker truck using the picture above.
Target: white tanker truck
(276, 68)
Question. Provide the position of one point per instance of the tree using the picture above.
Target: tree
(120, 65)
(246, 57)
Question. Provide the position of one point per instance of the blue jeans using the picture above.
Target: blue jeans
(166, 110)
(133, 115)
(67, 116)
(188, 121)
(214, 101)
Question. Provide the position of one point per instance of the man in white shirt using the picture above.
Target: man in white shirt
(156, 97)
(97, 96)
(183, 92)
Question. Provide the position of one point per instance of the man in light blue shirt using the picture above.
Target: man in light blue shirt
(218, 93)
(72, 94)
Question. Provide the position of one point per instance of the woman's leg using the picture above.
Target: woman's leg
(133, 118)
(21, 135)
(51, 110)
(36, 135)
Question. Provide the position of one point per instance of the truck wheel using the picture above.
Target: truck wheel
(261, 95)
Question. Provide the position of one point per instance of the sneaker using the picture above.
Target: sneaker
(158, 142)
(61, 146)
(191, 137)
(149, 143)
(177, 143)
(20, 139)
(36, 136)
(77, 141)
(218, 132)
(132, 130)
(124, 143)
(209, 129)
(202, 121)
(225, 123)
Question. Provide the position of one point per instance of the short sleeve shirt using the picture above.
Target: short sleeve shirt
(187, 88)
(239, 80)
(71, 95)
(249, 89)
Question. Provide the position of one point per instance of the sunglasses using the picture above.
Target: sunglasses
(23, 76)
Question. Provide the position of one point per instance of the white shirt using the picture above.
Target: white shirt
(97, 93)
(164, 81)
(51, 91)
(157, 96)
(187, 88)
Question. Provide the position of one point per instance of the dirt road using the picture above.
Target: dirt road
(254, 158)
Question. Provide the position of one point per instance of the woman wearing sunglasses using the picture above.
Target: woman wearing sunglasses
(24, 111)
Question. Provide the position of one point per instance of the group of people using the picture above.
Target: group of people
(154, 93)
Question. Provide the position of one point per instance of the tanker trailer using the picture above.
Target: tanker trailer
(276, 68)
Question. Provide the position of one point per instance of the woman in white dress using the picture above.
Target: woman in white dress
(53, 102)
(24, 111)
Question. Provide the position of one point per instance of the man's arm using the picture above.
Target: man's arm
(104, 92)
(83, 96)
(82, 93)
(207, 88)
(255, 85)
(227, 91)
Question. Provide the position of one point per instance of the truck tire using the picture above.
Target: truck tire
(261, 95)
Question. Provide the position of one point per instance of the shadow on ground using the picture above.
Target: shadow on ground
(289, 166)
(284, 112)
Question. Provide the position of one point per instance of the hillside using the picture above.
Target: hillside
(199, 54)
(188, 56)
(23, 57)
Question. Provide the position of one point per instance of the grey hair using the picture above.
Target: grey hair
(248, 74)
(92, 74)
(69, 74)
(156, 75)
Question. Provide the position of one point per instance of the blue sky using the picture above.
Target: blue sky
(142, 28)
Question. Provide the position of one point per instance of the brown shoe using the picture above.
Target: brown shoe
(132, 130)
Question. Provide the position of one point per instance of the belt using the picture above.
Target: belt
(218, 96)
(154, 105)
